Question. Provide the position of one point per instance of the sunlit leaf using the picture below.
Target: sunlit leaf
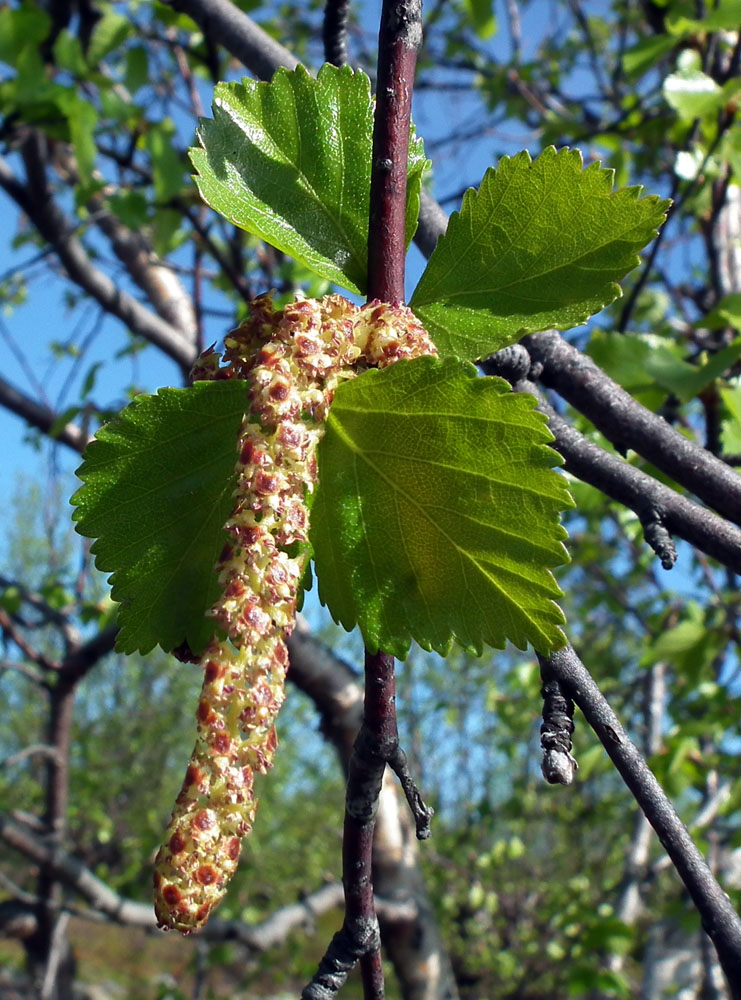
(436, 518)
(290, 160)
(541, 244)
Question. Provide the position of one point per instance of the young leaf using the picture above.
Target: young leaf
(436, 517)
(731, 426)
(158, 490)
(481, 13)
(541, 244)
(289, 161)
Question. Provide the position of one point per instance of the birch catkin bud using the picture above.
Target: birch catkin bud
(292, 361)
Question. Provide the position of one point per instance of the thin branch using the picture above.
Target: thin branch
(10, 631)
(224, 23)
(33, 750)
(660, 509)
(720, 920)
(334, 31)
(359, 938)
(702, 820)
(422, 813)
(628, 424)
(653, 502)
(23, 363)
(399, 40)
(104, 900)
(410, 933)
(515, 31)
(18, 895)
(25, 671)
(156, 279)
(79, 661)
(226, 266)
(159, 282)
(41, 417)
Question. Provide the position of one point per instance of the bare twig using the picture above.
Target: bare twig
(422, 813)
(258, 938)
(558, 766)
(225, 23)
(10, 631)
(334, 31)
(359, 939)
(410, 932)
(79, 661)
(21, 668)
(33, 750)
(661, 510)
(628, 424)
(719, 918)
(41, 417)
(649, 499)
(399, 39)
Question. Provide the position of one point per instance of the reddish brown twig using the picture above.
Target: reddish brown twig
(398, 41)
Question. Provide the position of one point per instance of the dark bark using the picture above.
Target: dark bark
(49, 957)
(654, 503)
(225, 23)
(41, 417)
(720, 920)
(359, 939)
(399, 39)
(334, 31)
(627, 424)
(412, 939)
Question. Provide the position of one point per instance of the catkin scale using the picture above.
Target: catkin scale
(292, 361)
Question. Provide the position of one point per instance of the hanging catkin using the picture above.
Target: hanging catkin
(292, 361)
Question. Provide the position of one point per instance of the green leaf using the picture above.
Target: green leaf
(130, 206)
(137, 68)
(68, 54)
(694, 94)
(82, 119)
(646, 54)
(158, 490)
(167, 166)
(731, 426)
(167, 230)
(482, 17)
(436, 517)
(24, 27)
(725, 17)
(687, 381)
(109, 33)
(624, 357)
(726, 313)
(11, 599)
(541, 244)
(289, 161)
